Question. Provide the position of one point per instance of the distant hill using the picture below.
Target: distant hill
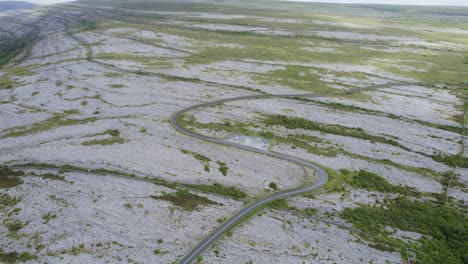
(14, 5)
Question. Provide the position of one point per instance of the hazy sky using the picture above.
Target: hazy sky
(395, 2)
(42, 2)
(399, 2)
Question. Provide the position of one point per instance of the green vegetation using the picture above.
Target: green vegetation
(205, 160)
(273, 186)
(14, 257)
(10, 46)
(219, 189)
(57, 120)
(362, 180)
(124, 56)
(13, 225)
(444, 228)
(305, 141)
(82, 24)
(7, 201)
(114, 139)
(48, 217)
(48, 175)
(302, 123)
(10, 178)
(19, 71)
(113, 74)
(6, 82)
(298, 77)
(222, 168)
(371, 182)
(186, 200)
(116, 86)
(452, 160)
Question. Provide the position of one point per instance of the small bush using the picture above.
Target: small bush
(222, 168)
(273, 186)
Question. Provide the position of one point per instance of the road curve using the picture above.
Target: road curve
(321, 173)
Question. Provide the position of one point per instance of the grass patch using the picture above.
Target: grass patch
(222, 168)
(49, 176)
(10, 178)
(452, 160)
(19, 71)
(371, 182)
(48, 217)
(186, 200)
(113, 74)
(7, 201)
(219, 189)
(444, 228)
(14, 257)
(273, 186)
(298, 77)
(116, 86)
(302, 123)
(57, 120)
(114, 139)
(10, 46)
(362, 180)
(82, 24)
(13, 225)
(124, 56)
(205, 160)
(6, 82)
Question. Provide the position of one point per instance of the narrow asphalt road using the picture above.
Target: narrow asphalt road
(192, 255)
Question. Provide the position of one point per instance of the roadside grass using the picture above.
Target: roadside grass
(217, 188)
(359, 179)
(186, 200)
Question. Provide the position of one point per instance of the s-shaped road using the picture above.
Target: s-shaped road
(192, 255)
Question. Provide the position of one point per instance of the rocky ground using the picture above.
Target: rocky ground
(96, 90)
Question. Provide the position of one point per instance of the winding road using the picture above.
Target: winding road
(192, 255)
